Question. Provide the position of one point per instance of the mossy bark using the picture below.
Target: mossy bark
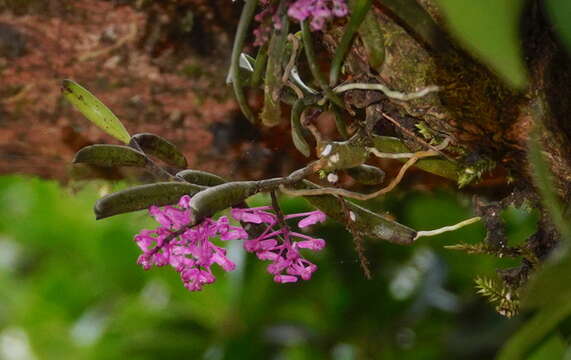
(489, 123)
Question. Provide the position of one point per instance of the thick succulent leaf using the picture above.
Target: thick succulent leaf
(277, 57)
(161, 148)
(366, 222)
(490, 30)
(110, 155)
(259, 66)
(373, 40)
(297, 130)
(200, 177)
(143, 196)
(343, 154)
(437, 166)
(217, 198)
(359, 9)
(94, 110)
(246, 18)
(367, 174)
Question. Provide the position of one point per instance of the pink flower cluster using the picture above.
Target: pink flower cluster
(191, 252)
(318, 10)
(287, 263)
(268, 20)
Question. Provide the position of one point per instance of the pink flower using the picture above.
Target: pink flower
(311, 218)
(190, 251)
(287, 264)
(318, 10)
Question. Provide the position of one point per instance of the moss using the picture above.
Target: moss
(474, 170)
(471, 93)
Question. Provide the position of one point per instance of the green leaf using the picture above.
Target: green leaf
(217, 198)
(297, 130)
(110, 155)
(489, 29)
(243, 25)
(440, 167)
(367, 174)
(200, 177)
(94, 110)
(365, 222)
(373, 40)
(535, 330)
(359, 9)
(277, 58)
(142, 197)
(560, 14)
(314, 66)
(161, 148)
(259, 66)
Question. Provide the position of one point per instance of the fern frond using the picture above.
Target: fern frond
(505, 299)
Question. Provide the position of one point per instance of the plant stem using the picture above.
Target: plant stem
(243, 25)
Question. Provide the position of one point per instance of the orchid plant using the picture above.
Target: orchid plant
(185, 203)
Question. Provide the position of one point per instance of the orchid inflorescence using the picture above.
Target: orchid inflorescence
(192, 253)
(319, 11)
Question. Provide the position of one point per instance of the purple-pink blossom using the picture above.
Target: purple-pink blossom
(319, 11)
(280, 245)
(190, 250)
(191, 253)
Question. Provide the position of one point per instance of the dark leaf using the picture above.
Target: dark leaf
(297, 130)
(217, 198)
(110, 155)
(364, 221)
(161, 148)
(143, 196)
(367, 174)
(200, 177)
(437, 166)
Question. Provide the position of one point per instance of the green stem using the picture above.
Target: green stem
(243, 25)
(358, 12)
(259, 66)
(297, 130)
(314, 67)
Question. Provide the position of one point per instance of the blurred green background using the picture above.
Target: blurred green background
(71, 289)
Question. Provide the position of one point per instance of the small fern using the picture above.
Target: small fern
(505, 299)
(425, 130)
(475, 171)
